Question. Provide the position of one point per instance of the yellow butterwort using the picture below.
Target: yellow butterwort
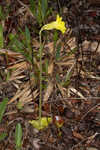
(41, 124)
(58, 24)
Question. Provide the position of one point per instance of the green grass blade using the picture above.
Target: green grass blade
(68, 78)
(2, 136)
(3, 107)
(58, 78)
(15, 44)
(55, 37)
(18, 136)
(32, 6)
(1, 36)
(28, 38)
(27, 34)
(1, 13)
(44, 7)
(58, 52)
(68, 75)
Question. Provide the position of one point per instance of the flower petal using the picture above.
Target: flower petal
(58, 25)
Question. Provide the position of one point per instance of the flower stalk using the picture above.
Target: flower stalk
(58, 25)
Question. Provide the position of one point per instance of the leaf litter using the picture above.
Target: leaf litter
(71, 89)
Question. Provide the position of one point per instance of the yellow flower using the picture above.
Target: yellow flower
(58, 24)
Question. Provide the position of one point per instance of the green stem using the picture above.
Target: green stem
(40, 99)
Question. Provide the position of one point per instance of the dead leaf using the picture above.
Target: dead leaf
(50, 68)
(48, 91)
(78, 135)
(50, 46)
(62, 90)
(77, 93)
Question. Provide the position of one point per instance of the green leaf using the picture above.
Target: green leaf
(68, 75)
(2, 136)
(41, 124)
(46, 66)
(12, 36)
(19, 44)
(58, 52)
(15, 44)
(8, 76)
(3, 107)
(55, 36)
(18, 136)
(1, 36)
(4, 13)
(32, 6)
(20, 105)
(58, 78)
(44, 7)
(1, 13)
(67, 79)
(28, 38)
(27, 34)
(39, 13)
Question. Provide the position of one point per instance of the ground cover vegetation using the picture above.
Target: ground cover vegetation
(50, 75)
